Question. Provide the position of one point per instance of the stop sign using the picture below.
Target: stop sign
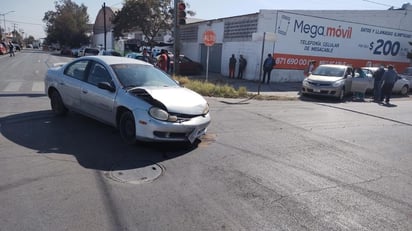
(209, 38)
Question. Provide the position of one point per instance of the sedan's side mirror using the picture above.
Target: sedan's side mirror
(106, 86)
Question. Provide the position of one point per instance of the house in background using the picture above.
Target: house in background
(104, 20)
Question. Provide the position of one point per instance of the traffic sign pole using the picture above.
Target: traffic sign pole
(209, 39)
(207, 63)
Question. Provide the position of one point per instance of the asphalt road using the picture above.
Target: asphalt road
(264, 165)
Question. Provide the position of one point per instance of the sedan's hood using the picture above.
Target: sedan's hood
(178, 99)
(322, 78)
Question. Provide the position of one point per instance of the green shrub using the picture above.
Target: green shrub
(214, 90)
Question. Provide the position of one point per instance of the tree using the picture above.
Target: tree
(148, 16)
(29, 40)
(67, 25)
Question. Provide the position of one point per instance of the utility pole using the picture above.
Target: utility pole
(4, 21)
(14, 30)
(176, 36)
(104, 22)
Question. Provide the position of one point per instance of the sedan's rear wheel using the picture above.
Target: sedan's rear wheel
(57, 104)
(127, 128)
(404, 90)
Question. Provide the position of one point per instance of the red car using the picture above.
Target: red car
(3, 49)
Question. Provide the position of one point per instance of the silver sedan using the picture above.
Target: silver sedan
(401, 86)
(143, 102)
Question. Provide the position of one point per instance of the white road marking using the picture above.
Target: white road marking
(13, 86)
(38, 86)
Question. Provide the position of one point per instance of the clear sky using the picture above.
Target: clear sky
(28, 14)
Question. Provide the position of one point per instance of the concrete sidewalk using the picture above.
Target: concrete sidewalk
(286, 89)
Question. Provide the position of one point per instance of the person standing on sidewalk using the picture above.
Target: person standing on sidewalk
(242, 66)
(11, 49)
(232, 66)
(377, 83)
(267, 68)
(308, 70)
(389, 79)
(162, 61)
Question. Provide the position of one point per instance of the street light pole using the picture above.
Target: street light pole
(4, 21)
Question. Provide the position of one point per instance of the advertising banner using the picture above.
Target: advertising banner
(303, 38)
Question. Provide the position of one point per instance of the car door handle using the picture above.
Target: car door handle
(85, 91)
(62, 83)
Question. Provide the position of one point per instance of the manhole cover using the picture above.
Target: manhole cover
(145, 172)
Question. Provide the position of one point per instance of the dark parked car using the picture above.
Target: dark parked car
(186, 65)
(16, 47)
(189, 67)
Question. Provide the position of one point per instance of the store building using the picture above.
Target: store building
(295, 37)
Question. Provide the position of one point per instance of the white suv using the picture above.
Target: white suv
(329, 80)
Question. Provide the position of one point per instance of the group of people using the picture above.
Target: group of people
(232, 66)
(383, 83)
(268, 66)
(163, 60)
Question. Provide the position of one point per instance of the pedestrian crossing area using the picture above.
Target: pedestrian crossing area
(21, 87)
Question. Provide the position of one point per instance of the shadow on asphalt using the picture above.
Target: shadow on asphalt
(94, 145)
(349, 98)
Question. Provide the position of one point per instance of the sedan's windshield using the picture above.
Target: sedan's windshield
(329, 71)
(137, 75)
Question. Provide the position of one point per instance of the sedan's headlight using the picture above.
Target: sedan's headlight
(206, 110)
(305, 81)
(338, 83)
(159, 113)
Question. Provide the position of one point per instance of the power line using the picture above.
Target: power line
(29, 23)
(377, 3)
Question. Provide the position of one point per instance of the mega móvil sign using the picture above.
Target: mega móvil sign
(302, 38)
(315, 30)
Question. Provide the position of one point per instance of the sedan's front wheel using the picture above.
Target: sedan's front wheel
(57, 104)
(127, 128)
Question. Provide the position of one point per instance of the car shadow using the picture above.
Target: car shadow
(94, 145)
(387, 104)
(348, 98)
(324, 99)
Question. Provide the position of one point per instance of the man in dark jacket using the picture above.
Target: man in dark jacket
(389, 79)
(232, 66)
(377, 83)
(242, 66)
(267, 68)
(11, 49)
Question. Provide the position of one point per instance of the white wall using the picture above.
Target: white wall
(99, 39)
(191, 50)
(251, 52)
